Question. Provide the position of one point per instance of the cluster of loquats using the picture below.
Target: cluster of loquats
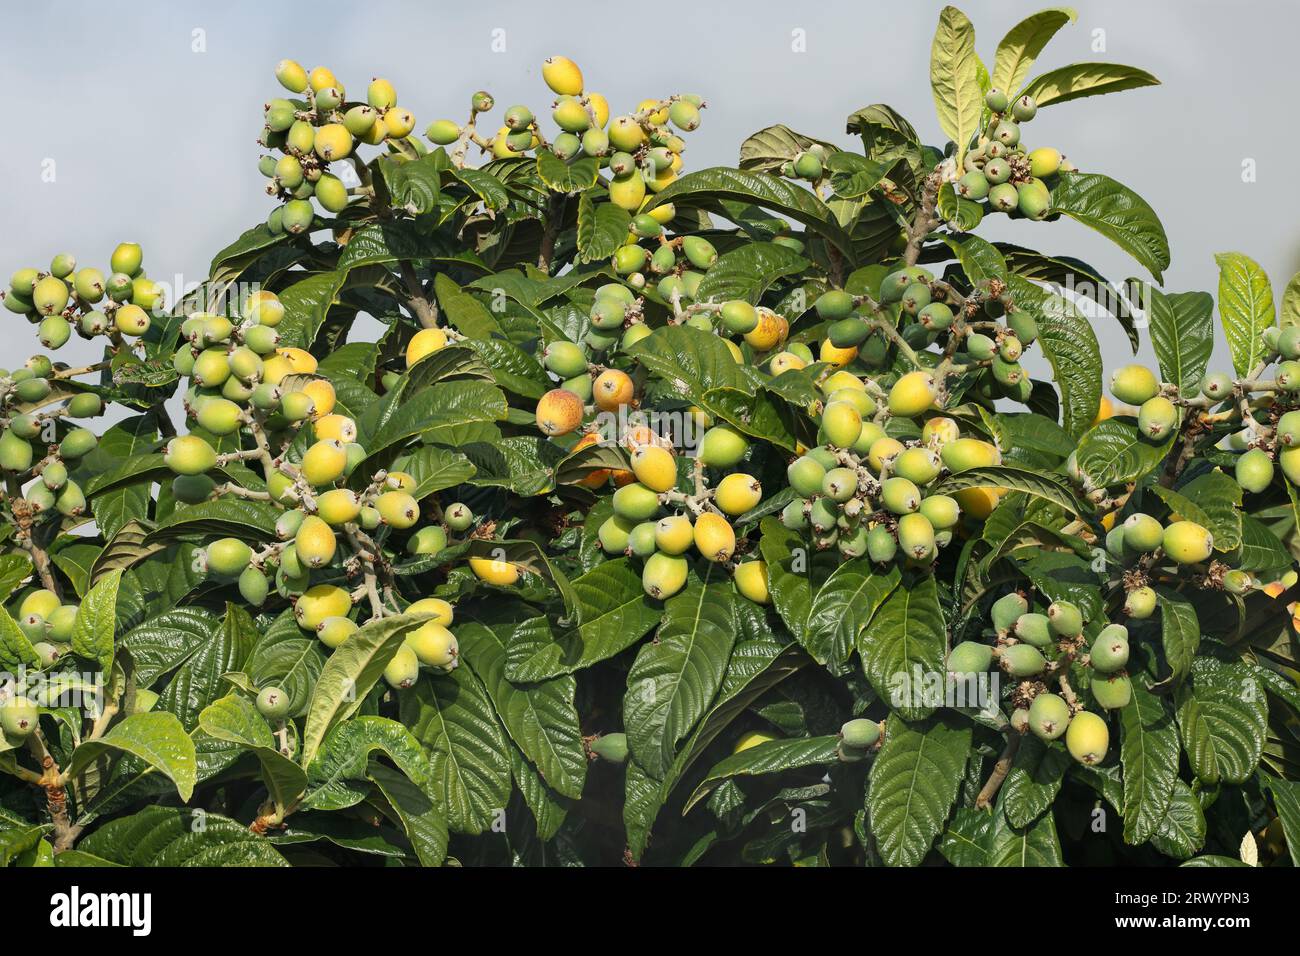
(642, 150)
(1254, 423)
(64, 299)
(1037, 650)
(268, 406)
(661, 512)
(999, 172)
(312, 133)
(39, 448)
(48, 623)
(877, 484)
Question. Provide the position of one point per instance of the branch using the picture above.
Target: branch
(56, 795)
(554, 210)
(426, 313)
(1000, 771)
(924, 221)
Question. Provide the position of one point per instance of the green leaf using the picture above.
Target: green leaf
(796, 572)
(436, 469)
(226, 517)
(1149, 754)
(1116, 212)
(1114, 452)
(289, 658)
(748, 271)
(174, 836)
(1085, 282)
(1223, 720)
(886, 135)
(1034, 844)
(1182, 333)
(525, 464)
(346, 832)
(15, 649)
(1214, 860)
(1018, 50)
(1286, 798)
(389, 242)
(614, 612)
(413, 185)
(602, 228)
(1290, 307)
(1260, 548)
(577, 466)
(1068, 341)
(770, 192)
(548, 808)
(14, 570)
(965, 841)
(854, 176)
(913, 784)
(484, 185)
(342, 761)
(468, 753)
(902, 648)
(306, 304)
(1180, 633)
(96, 622)
(773, 146)
(540, 718)
(562, 177)
(773, 756)
(352, 669)
(673, 680)
(963, 215)
(955, 78)
(448, 413)
(1182, 831)
(979, 258)
(234, 718)
(1042, 485)
(843, 607)
(762, 658)
(126, 548)
(463, 311)
(256, 239)
(1034, 780)
(126, 442)
(513, 369)
(15, 841)
(1245, 309)
(197, 682)
(1086, 79)
(156, 738)
(692, 361)
(424, 821)
(642, 799)
(165, 641)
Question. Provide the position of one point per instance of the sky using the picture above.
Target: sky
(137, 121)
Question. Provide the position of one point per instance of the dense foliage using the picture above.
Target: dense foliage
(674, 517)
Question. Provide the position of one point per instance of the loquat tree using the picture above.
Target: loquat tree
(673, 516)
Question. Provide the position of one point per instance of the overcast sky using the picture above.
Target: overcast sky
(148, 111)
